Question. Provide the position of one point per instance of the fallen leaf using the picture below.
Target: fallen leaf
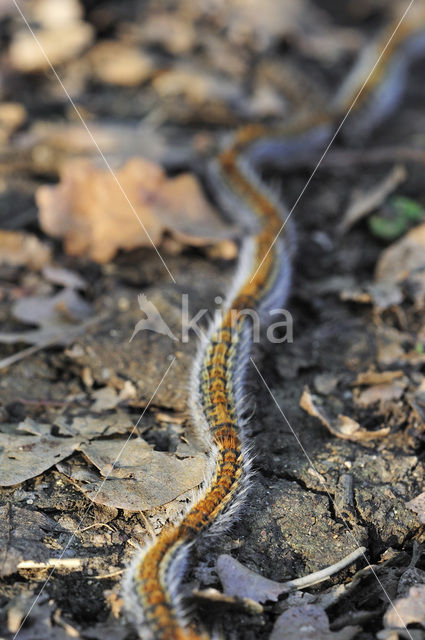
(86, 427)
(60, 44)
(408, 610)
(188, 91)
(397, 347)
(417, 505)
(308, 622)
(64, 277)
(89, 210)
(50, 13)
(377, 377)
(382, 295)
(405, 260)
(21, 537)
(24, 457)
(105, 398)
(174, 34)
(238, 580)
(119, 64)
(77, 469)
(48, 145)
(12, 116)
(400, 634)
(382, 393)
(326, 383)
(56, 316)
(245, 25)
(343, 427)
(23, 249)
(35, 428)
(138, 477)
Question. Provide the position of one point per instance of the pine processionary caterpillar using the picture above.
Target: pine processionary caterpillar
(152, 587)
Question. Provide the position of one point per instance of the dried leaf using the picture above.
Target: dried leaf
(12, 116)
(408, 610)
(400, 634)
(405, 260)
(86, 427)
(308, 621)
(23, 249)
(64, 277)
(60, 43)
(24, 457)
(119, 64)
(105, 398)
(174, 34)
(382, 295)
(377, 377)
(326, 383)
(138, 477)
(245, 24)
(240, 581)
(382, 393)
(393, 347)
(417, 505)
(343, 427)
(89, 210)
(51, 144)
(56, 316)
(55, 14)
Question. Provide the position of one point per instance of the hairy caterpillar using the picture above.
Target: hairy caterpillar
(153, 592)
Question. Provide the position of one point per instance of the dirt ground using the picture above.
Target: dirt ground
(71, 519)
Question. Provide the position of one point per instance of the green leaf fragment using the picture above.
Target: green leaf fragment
(401, 213)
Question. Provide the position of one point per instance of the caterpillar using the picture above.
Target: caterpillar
(152, 588)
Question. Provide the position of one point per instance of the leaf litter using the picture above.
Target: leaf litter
(23, 249)
(343, 426)
(89, 210)
(138, 477)
(24, 457)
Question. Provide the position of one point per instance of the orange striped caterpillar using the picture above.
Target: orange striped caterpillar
(153, 592)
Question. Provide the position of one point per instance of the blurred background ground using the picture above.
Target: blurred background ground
(159, 85)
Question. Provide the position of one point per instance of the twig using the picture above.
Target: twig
(97, 524)
(367, 201)
(324, 574)
(109, 575)
(58, 563)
